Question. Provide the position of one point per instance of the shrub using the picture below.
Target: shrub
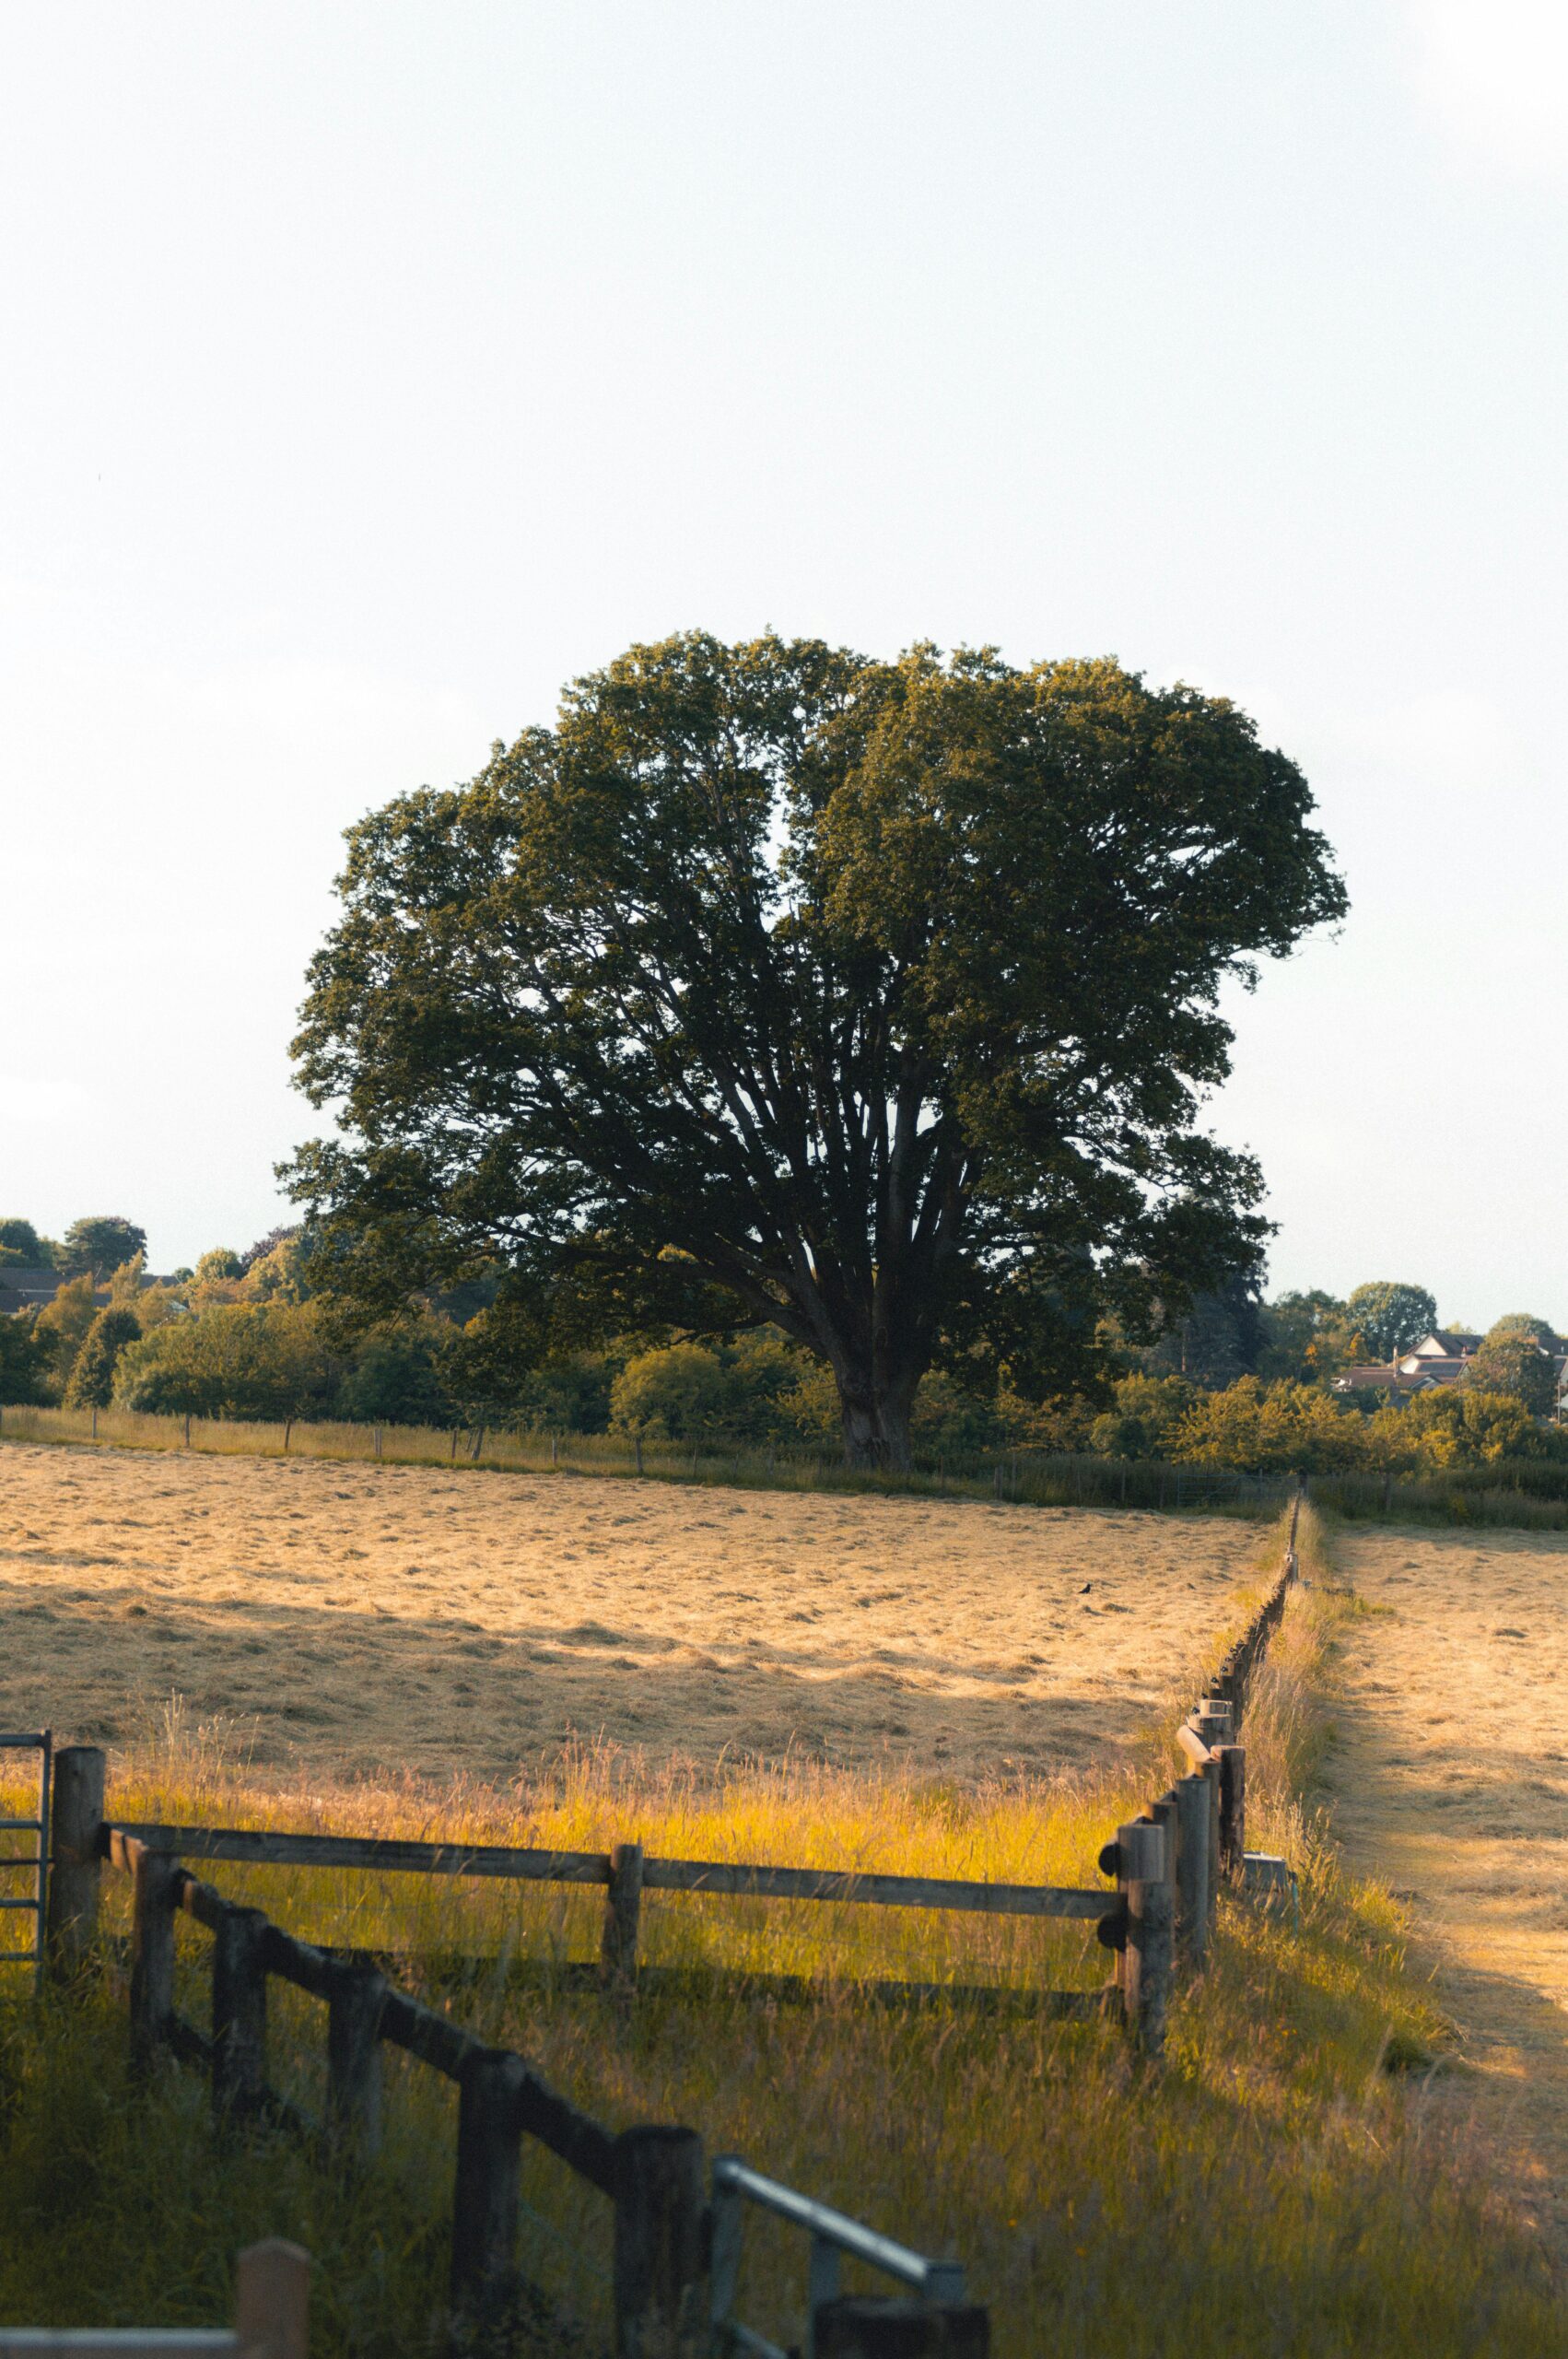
(24, 1363)
(62, 1328)
(92, 1378)
(399, 1377)
(266, 1362)
(678, 1393)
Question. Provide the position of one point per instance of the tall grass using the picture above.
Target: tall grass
(1274, 2190)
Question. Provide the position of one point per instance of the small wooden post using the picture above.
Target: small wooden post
(288, 1430)
(353, 2058)
(859, 2327)
(478, 1444)
(1233, 1808)
(378, 1433)
(489, 2140)
(76, 1816)
(187, 1429)
(271, 2301)
(660, 2263)
(1146, 1961)
(1194, 1859)
(239, 2014)
(623, 1909)
(156, 1877)
(1211, 1774)
(636, 1440)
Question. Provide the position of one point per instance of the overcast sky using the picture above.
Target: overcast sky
(370, 372)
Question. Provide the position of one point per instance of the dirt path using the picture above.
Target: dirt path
(1451, 1786)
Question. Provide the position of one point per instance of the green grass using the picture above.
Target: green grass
(1277, 2188)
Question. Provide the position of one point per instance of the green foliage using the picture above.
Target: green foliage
(21, 1244)
(102, 1243)
(1515, 1362)
(1270, 1429)
(237, 1361)
(91, 1384)
(675, 1393)
(883, 994)
(1390, 1317)
(1147, 1416)
(1217, 1339)
(219, 1265)
(24, 1362)
(62, 1325)
(282, 1273)
(1305, 1339)
(400, 1377)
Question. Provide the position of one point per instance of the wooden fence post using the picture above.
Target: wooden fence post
(271, 2301)
(1233, 1808)
(1211, 1774)
(855, 2326)
(1194, 1868)
(239, 2013)
(76, 1816)
(623, 1911)
(157, 1880)
(489, 2141)
(1145, 1974)
(356, 1996)
(661, 2273)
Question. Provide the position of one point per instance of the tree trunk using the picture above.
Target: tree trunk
(876, 1421)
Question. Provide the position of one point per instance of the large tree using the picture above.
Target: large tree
(872, 1000)
(1390, 1316)
(102, 1242)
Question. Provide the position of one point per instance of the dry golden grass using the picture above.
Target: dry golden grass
(361, 1619)
(1451, 1784)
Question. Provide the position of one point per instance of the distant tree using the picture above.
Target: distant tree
(1305, 1338)
(220, 1265)
(680, 1391)
(61, 1328)
(1516, 1323)
(1217, 1339)
(281, 1274)
(400, 1377)
(268, 1361)
(20, 1242)
(1274, 1429)
(101, 1242)
(91, 1381)
(888, 994)
(1516, 1362)
(1149, 1410)
(1390, 1317)
(286, 1232)
(24, 1362)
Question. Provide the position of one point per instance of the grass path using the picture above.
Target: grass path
(1450, 1784)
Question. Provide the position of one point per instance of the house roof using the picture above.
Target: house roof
(1445, 1343)
(23, 1289)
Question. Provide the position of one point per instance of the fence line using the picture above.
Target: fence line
(1167, 1864)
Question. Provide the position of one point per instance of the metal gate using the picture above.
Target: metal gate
(33, 1863)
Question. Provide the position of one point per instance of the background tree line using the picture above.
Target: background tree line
(1236, 1381)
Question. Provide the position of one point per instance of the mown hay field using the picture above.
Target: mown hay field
(364, 1619)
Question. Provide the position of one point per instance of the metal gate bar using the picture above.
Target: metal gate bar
(41, 1741)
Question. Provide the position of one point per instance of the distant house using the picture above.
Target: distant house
(1440, 1358)
(24, 1289)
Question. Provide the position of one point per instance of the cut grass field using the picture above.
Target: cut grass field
(1278, 2188)
(378, 1619)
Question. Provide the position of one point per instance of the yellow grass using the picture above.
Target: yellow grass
(1275, 2189)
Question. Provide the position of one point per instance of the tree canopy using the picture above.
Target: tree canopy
(100, 1243)
(875, 1001)
(1390, 1317)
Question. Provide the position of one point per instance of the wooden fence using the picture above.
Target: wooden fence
(1168, 1865)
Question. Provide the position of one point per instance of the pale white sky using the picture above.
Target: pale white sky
(368, 371)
